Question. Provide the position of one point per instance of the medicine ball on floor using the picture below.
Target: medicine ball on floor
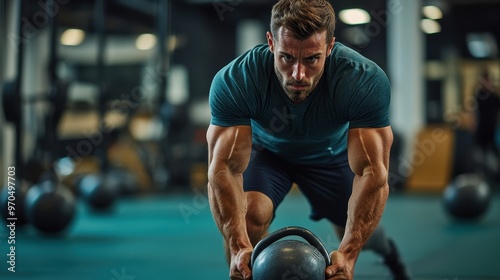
(467, 196)
(50, 206)
(289, 259)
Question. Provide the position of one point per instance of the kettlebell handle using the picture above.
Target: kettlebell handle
(284, 232)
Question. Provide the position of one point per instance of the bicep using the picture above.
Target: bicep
(229, 148)
(369, 149)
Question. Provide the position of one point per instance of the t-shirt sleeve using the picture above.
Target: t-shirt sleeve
(234, 92)
(227, 102)
(369, 98)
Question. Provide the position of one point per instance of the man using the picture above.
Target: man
(301, 109)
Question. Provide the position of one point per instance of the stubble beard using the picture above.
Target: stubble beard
(296, 96)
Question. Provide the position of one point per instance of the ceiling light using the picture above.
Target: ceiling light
(145, 41)
(354, 16)
(482, 45)
(432, 12)
(72, 37)
(430, 26)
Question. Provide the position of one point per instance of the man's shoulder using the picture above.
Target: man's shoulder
(258, 56)
(351, 65)
(345, 54)
(260, 49)
(253, 65)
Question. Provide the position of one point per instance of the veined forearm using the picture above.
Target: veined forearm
(228, 205)
(228, 157)
(365, 210)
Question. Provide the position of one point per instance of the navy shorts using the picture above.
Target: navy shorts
(326, 187)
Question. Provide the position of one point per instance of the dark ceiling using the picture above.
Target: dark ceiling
(211, 32)
(132, 16)
(138, 16)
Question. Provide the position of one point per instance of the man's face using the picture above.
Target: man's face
(299, 64)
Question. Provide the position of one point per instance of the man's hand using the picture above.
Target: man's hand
(240, 265)
(339, 269)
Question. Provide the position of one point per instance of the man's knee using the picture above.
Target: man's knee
(259, 216)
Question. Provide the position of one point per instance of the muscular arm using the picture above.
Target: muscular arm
(229, 151)
(368, 150)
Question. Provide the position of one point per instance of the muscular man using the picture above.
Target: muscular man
(302, 109)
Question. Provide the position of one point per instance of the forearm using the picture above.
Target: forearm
(365, 209)
(228, 205)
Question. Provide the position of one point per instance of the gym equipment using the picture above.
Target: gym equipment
(11, 91)
(430, 162)
(12, 99)
(123, 180)
(50, 206)
(164, 164)
(467, 197)
(99, 190)
(289, 259)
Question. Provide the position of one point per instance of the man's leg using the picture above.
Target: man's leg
(386, 248)
(259, 216)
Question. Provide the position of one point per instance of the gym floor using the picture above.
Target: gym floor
(174, 237)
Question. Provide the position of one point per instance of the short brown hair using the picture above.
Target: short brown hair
(304, 18)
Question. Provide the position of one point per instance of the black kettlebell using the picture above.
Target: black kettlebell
(50, 206)
(273, 258)
(99, 190)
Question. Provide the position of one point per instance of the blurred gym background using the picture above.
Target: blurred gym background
(104, 113)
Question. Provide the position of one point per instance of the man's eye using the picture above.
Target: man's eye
(287, 58)
(312, 59)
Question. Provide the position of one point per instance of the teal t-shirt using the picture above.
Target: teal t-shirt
(353, 92)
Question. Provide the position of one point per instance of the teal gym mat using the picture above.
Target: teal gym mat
(173, 237)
